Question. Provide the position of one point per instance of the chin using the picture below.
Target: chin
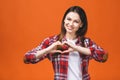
(69, 31)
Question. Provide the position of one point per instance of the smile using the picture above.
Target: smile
(69, 28)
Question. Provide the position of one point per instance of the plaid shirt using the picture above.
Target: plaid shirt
(60, 61)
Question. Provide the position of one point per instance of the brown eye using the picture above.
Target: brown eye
(76, 21)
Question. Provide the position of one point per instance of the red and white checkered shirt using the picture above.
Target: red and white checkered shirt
(60, 61)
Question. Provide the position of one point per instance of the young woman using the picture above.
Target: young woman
(70, 51)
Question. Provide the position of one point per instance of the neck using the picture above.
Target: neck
(70, 36)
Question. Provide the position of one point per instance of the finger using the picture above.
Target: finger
(68, 43)
(56, 51)
(65, 42)
(67, 51)
(59, 51)
(59, 43)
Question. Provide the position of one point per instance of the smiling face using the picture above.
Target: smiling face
(72, 22)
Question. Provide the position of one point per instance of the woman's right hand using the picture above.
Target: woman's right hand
(53, 48)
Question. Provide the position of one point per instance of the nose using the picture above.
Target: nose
(71, 23)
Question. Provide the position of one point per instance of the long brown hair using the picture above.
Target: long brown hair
(81, 31)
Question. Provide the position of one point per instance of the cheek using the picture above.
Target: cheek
(65, 25)
(76, 25)
(66, 21)
(76, 28)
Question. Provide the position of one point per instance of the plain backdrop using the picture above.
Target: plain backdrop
(25, 23)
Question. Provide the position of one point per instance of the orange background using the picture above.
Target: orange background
(25, 23)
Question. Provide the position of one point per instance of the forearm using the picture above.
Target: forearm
(83, 50)
(42, 52)
(35, 56)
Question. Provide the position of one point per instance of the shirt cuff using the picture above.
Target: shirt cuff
(28, 58)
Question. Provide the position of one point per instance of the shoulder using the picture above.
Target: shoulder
(52, 38)
(88, 41)
(49, 40)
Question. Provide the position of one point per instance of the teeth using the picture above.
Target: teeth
(70, 28)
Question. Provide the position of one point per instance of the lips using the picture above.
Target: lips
(70, 27)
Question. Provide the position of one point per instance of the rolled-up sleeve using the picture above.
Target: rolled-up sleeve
(30, 57)
(97, 52)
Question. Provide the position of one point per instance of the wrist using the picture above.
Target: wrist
(76, 48)
(47, 50)
(41, 52)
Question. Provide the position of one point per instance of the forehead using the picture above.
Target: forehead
(73, 15)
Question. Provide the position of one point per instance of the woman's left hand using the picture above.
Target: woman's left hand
(69, 43)
(67, 51)
(71, 46)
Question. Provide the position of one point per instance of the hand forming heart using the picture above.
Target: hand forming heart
(64, 48)
(61, 48)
